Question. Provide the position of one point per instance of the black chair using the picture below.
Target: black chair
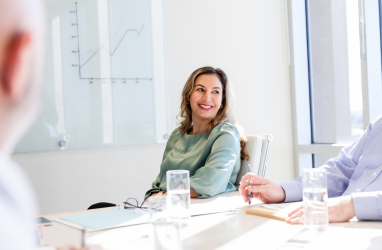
(101, 205)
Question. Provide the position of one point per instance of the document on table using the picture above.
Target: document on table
(213, 205)
(284, 207)
(104, 219)
(218, 205)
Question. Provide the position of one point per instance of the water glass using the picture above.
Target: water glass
(315, 196)
(178, 194)
(164, 233)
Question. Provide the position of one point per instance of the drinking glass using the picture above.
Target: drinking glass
(178, 194)
(164, 233)
(315, 196)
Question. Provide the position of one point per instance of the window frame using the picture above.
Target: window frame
(298, 52)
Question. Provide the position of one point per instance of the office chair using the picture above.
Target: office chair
(257, 148)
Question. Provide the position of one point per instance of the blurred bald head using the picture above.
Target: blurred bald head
(21, 53)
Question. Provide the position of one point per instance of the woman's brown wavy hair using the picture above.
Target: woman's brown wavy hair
(224, 114)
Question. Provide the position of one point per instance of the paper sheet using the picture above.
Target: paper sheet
(105, 219)
(284, 207)
(214, 205)
(220, 204)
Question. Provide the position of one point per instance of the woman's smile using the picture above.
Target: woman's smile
(205, 107)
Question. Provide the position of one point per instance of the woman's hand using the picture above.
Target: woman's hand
(193, 194)
(162, 193)
(340, 209)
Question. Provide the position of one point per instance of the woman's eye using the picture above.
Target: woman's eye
(199, 89)
(216, 92)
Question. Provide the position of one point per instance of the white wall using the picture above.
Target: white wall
(247, 39)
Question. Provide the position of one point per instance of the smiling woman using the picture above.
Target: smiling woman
(208, 143)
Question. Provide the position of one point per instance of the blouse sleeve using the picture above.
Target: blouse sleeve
(154, 188)
(213, 177)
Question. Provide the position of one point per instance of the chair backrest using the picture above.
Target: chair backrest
(257, 148)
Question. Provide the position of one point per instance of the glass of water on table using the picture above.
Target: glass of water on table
(164, 232)
(315, 197)
(178, 195)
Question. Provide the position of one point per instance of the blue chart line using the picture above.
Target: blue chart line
(112, 53)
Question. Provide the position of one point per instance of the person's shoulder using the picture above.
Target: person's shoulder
(15, 182)
(375, 125)
(225, 128)
(18, 206)
(377, 121)
(175, 134)
(175, 131)
(374, 129)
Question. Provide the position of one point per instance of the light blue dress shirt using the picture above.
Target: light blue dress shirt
(356, 172)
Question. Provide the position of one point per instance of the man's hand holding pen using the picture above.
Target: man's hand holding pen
(261, 189)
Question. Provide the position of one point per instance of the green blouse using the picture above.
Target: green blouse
(212, 159)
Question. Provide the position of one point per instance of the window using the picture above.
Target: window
(335, 62)
(335, 71)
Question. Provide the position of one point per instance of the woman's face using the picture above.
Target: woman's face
(206, 97)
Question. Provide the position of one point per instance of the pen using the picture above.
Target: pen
(84, 233)
(249, 184)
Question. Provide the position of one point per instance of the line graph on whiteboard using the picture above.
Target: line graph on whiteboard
(113, 41)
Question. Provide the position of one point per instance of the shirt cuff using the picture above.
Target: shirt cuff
(366, 206)
(293, 191)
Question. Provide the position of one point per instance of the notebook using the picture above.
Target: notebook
(109, 218)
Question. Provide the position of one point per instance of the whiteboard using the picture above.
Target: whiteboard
(105, 79)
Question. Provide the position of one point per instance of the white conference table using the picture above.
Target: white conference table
(227, 230)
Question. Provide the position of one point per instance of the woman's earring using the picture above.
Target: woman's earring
(221, 106)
